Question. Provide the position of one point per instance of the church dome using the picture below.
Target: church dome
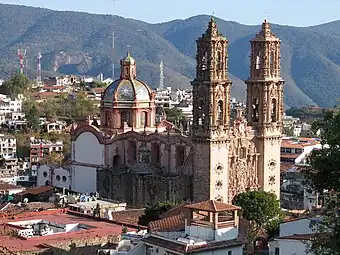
(128, 89)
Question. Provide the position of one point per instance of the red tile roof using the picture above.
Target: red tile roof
(4, 186)
(169, 224)
(179, 209)
(102, 228)
(130, 216)
(35, 190)
(213, 206)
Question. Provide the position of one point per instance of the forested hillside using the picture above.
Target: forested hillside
(73, 42)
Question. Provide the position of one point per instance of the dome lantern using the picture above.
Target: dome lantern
(128, 101)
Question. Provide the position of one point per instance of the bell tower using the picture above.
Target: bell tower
(265, 105)
(211, 116)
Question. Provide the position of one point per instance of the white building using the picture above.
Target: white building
(209, 228)
(294, 237)
(54, 176)
(8, 146)
(7, 105)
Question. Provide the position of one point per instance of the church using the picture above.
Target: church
(131, 158)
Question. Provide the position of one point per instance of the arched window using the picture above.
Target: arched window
(125, 117)
(116, 161)
(201, 114)
(243, 152)
(204, 62)
(274, 110)
(220, 112)
(180, 155)
(155, 153)
(258, 61)
(144, 119)
(132, 151)
(107, 119)
(255, 115)
(219, 60)
(271, 62)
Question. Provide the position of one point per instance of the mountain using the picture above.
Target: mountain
(74, 42)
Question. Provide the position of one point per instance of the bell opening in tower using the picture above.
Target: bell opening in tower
(255, 115)
(201, 113)
(274, 110)
(204, 61)
(258, 61)
(271, 62)
(220, 113)
(219, 60)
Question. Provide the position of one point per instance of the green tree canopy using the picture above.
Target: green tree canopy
(323, 175)
(17, 84)
(154, 211)
(259, 206)
(31, 110)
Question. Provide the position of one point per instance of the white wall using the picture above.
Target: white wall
(157, 250)
(61, 178)
(57, 180)
(41, 179)
(297, 227)
(84, 179)
(288, 247)
(88, 150)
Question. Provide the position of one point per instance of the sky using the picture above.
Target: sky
(250, 12)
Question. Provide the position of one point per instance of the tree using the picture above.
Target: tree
(154, 211)
(17, 84)
(31, 110)
(263, 211)
(324, 175)
(259, 207)
(289, 131)
(175, 115)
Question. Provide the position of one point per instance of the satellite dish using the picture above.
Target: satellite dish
(25, 200)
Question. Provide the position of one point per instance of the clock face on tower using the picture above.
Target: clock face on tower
(125, 92)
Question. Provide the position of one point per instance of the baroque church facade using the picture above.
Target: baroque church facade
(129, 157)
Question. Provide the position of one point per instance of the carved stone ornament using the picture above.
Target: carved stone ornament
(219, 198)
(219, 94)
(219, 169)
(272, 164)
(272, 180)
(219, 185)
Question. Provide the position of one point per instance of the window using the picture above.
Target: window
(255, 115)
(64, 178)
(274, 110)
(230, 253)
(220, 113)
(155, 153)
(288, 150)
(283, 149)
(116, 161)
(58, 178)
(277, 251)
(45, 174)
(243, 152)
(144, 119)
(180, 155)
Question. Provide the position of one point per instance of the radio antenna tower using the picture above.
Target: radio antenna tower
(161, 74)
(22, 54)
(113, 41)
(39, 78)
